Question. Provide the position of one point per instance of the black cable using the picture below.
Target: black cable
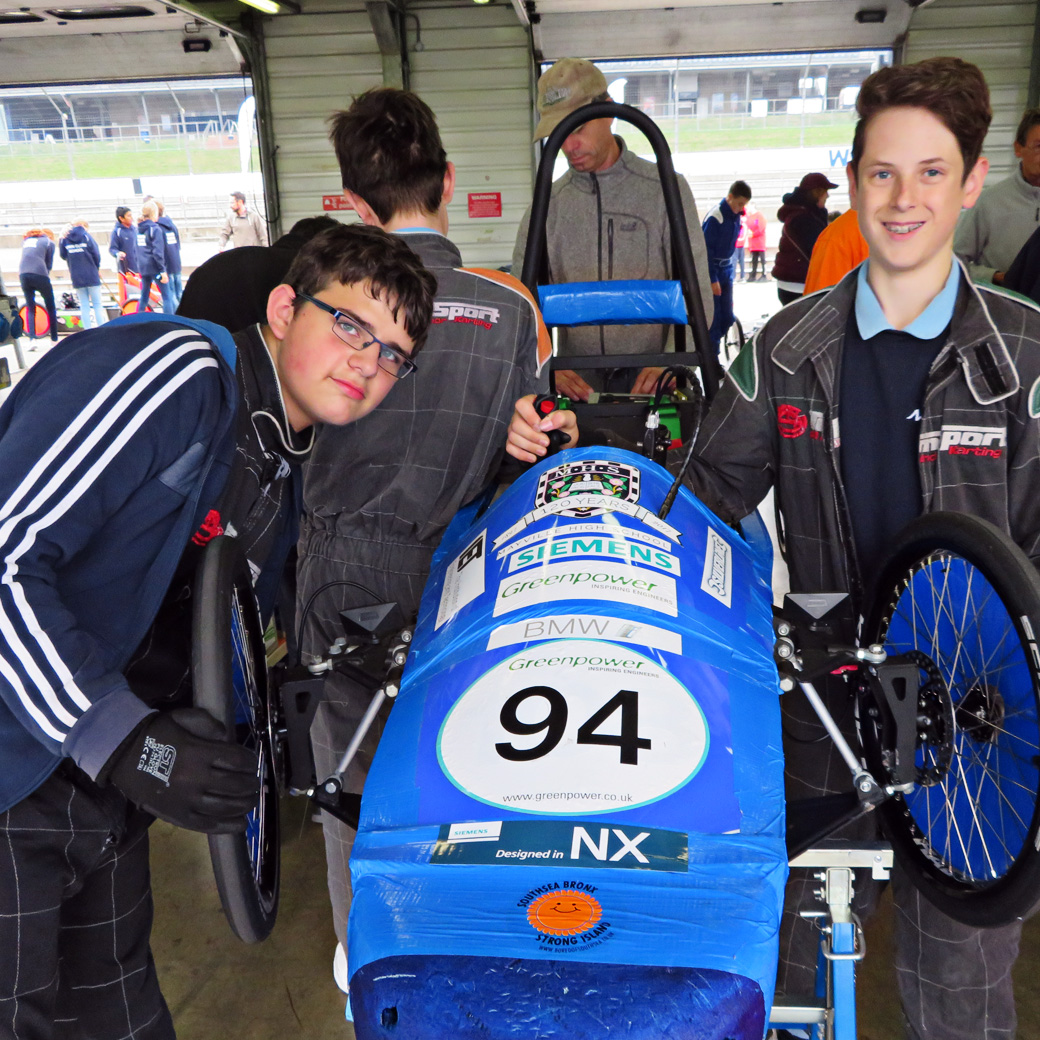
(310, 603)
(668, 372)
(673, 491)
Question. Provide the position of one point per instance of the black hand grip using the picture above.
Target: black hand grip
(557, 439)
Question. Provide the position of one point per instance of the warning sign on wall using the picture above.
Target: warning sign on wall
(485, 203)
(334, 202)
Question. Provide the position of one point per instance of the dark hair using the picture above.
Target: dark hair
(121, 211)
(353, 254)
(389, 152)
(953, 90)
(238, 195)
(1030, 118)
(740, 189)
(303, 231)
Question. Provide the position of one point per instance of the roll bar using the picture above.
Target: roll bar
(535, 267)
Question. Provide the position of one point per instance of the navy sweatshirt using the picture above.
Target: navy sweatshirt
(124, 240)
(173, 244)
(110, 447)
(151, 248)
(37, 256)
(79, 250)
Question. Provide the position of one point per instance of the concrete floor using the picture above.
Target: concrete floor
(219, 988)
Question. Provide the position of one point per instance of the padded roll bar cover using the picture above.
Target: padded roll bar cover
(613, 303)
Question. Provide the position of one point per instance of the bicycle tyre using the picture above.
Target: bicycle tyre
(957, 588)
(228, 657)
(733, 341)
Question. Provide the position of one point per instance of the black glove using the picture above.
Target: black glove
(179, 766)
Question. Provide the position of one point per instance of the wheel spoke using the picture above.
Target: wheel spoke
(973, 823)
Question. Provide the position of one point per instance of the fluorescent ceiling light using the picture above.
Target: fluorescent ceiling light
(273, 6)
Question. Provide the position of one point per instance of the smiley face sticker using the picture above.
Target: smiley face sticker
(564, 911)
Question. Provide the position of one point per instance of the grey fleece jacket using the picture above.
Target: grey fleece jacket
(990, 234)
(612, 225)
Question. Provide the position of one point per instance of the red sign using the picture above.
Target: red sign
(335, 202)
(485, 203)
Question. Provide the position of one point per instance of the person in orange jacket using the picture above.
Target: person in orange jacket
(839, 249)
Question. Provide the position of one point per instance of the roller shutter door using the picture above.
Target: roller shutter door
(475, 73)
(999, 38)
(316, 62)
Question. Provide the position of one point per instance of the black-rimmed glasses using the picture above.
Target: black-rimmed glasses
(393, 361)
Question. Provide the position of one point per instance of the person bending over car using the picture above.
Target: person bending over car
(123, 452)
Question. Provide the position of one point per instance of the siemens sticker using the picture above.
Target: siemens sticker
(632, 552)
(614, 582)
(606, 526)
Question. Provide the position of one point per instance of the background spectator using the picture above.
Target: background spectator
(79, 250)
(34, 272)
(840, 247)
(243, 226)
(122, 243)
(756, 242)
(151, 252)
(721, 228)
(990, 234)
(804, 217)
(741, 248)
(172, 289)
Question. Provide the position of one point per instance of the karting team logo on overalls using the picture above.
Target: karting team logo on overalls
(610, 479)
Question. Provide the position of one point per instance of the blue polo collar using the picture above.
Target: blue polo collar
(871, 320)
(418, 230)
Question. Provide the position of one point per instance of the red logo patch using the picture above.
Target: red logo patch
(209, 529)
(791, 421)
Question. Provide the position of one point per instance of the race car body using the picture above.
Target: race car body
(574, 823)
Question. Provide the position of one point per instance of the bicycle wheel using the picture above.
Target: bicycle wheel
(229, 675)
(959, 593)
(733, 343)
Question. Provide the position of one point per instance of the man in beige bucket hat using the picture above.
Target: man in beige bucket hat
(606, 221)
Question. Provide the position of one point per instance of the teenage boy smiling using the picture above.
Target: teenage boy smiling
(840, 402)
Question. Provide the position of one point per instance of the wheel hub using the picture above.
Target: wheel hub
(980, 713)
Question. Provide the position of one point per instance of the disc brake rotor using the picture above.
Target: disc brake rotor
(935, 722)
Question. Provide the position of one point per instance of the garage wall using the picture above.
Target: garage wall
(997, 36)
(475, 73)
(316, 62)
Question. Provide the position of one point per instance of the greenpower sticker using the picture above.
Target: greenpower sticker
(588, 579)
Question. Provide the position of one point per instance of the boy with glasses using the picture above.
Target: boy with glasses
(124, 451)
(837, 403)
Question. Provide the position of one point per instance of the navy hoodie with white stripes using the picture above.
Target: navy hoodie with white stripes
(110, 448)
